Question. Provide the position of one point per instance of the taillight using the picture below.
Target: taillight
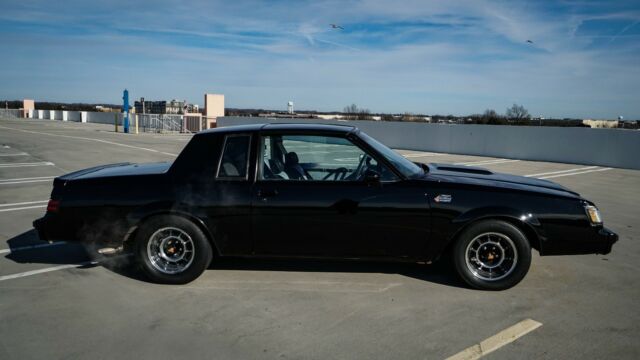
(53, 205)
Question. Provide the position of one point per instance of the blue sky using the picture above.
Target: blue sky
(420, 56)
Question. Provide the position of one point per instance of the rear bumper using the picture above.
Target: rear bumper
(69, 228)
(52, 229)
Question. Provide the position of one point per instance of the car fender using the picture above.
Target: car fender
(141, 214)
(524, 220)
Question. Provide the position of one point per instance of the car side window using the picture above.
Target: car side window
(317, 158)
(234, 161)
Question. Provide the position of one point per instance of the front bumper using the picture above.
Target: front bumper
(606, 238)
(585, 240)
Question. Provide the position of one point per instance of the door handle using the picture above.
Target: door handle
(264, 194)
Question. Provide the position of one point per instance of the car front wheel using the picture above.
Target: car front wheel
(492, 255)
(172, 250)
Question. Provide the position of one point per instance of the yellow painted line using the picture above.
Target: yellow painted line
(497, 341)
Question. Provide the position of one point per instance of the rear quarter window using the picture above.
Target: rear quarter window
(234, 161)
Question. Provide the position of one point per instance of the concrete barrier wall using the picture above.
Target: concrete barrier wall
(104, 117)
(90, 117)
(602, 147)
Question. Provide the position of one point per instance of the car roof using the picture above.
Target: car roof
(343, 129)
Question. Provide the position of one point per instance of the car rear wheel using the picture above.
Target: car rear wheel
(172, 250)
(492, 255)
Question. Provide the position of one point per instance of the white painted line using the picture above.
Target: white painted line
(561, 171)
(42, 163)
(24, 181)
(16, 154)
(31, 247)
(56, 268)
(46, 270)
(25, 203)
(419, 155)
(32, 178)
(24, 208)
(576, 173)
(497, 341)
(487, 162)
(90, 139)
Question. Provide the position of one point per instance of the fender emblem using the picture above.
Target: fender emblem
(442, 198)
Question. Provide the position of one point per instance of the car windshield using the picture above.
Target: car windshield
(406, 167)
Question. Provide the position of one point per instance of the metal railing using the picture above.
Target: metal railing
(160, 123)
(194, 123)
(11, 113)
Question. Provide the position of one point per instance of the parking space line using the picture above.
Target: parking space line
(576, 173)
(31, 247)
(561, 171)
(486, 162)
(46, 270)
(56, 268)
(90, 139)
(26, 180)
(24, 208)
(16, 154)
(41, 163)
(30, 178)
(25, 203)
(497, 341)
(420, 155)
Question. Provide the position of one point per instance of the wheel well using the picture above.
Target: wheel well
(528, 232)
(133, 232)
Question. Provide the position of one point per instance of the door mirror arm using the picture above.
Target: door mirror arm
(372, 178)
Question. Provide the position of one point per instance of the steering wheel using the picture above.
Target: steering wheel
(338, 174)
(363, 165)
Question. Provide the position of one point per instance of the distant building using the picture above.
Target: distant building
(163, 107)
(608, 124)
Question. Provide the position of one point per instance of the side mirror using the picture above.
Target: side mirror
(371, 177)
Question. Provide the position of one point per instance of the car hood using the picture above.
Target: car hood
(485, 177)
(120, 169)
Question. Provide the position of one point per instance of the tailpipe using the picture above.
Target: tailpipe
(107, 251)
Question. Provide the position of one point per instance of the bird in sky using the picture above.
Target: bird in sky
(334, 26)
(530, 42)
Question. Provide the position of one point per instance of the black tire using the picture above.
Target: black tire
(492, 255)
(173, 228)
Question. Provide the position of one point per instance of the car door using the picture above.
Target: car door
(310, 200)
(218, 189)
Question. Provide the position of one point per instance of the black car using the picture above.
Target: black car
(318, 191)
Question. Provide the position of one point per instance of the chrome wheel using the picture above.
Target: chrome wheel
(170, 250)
(491, 256)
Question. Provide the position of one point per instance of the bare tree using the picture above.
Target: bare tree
(354, 113)
(411, 117)
(490, 116)
(517, 112)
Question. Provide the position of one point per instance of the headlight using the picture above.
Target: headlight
(593, 214)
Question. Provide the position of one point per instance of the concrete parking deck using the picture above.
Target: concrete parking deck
(55, 303)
